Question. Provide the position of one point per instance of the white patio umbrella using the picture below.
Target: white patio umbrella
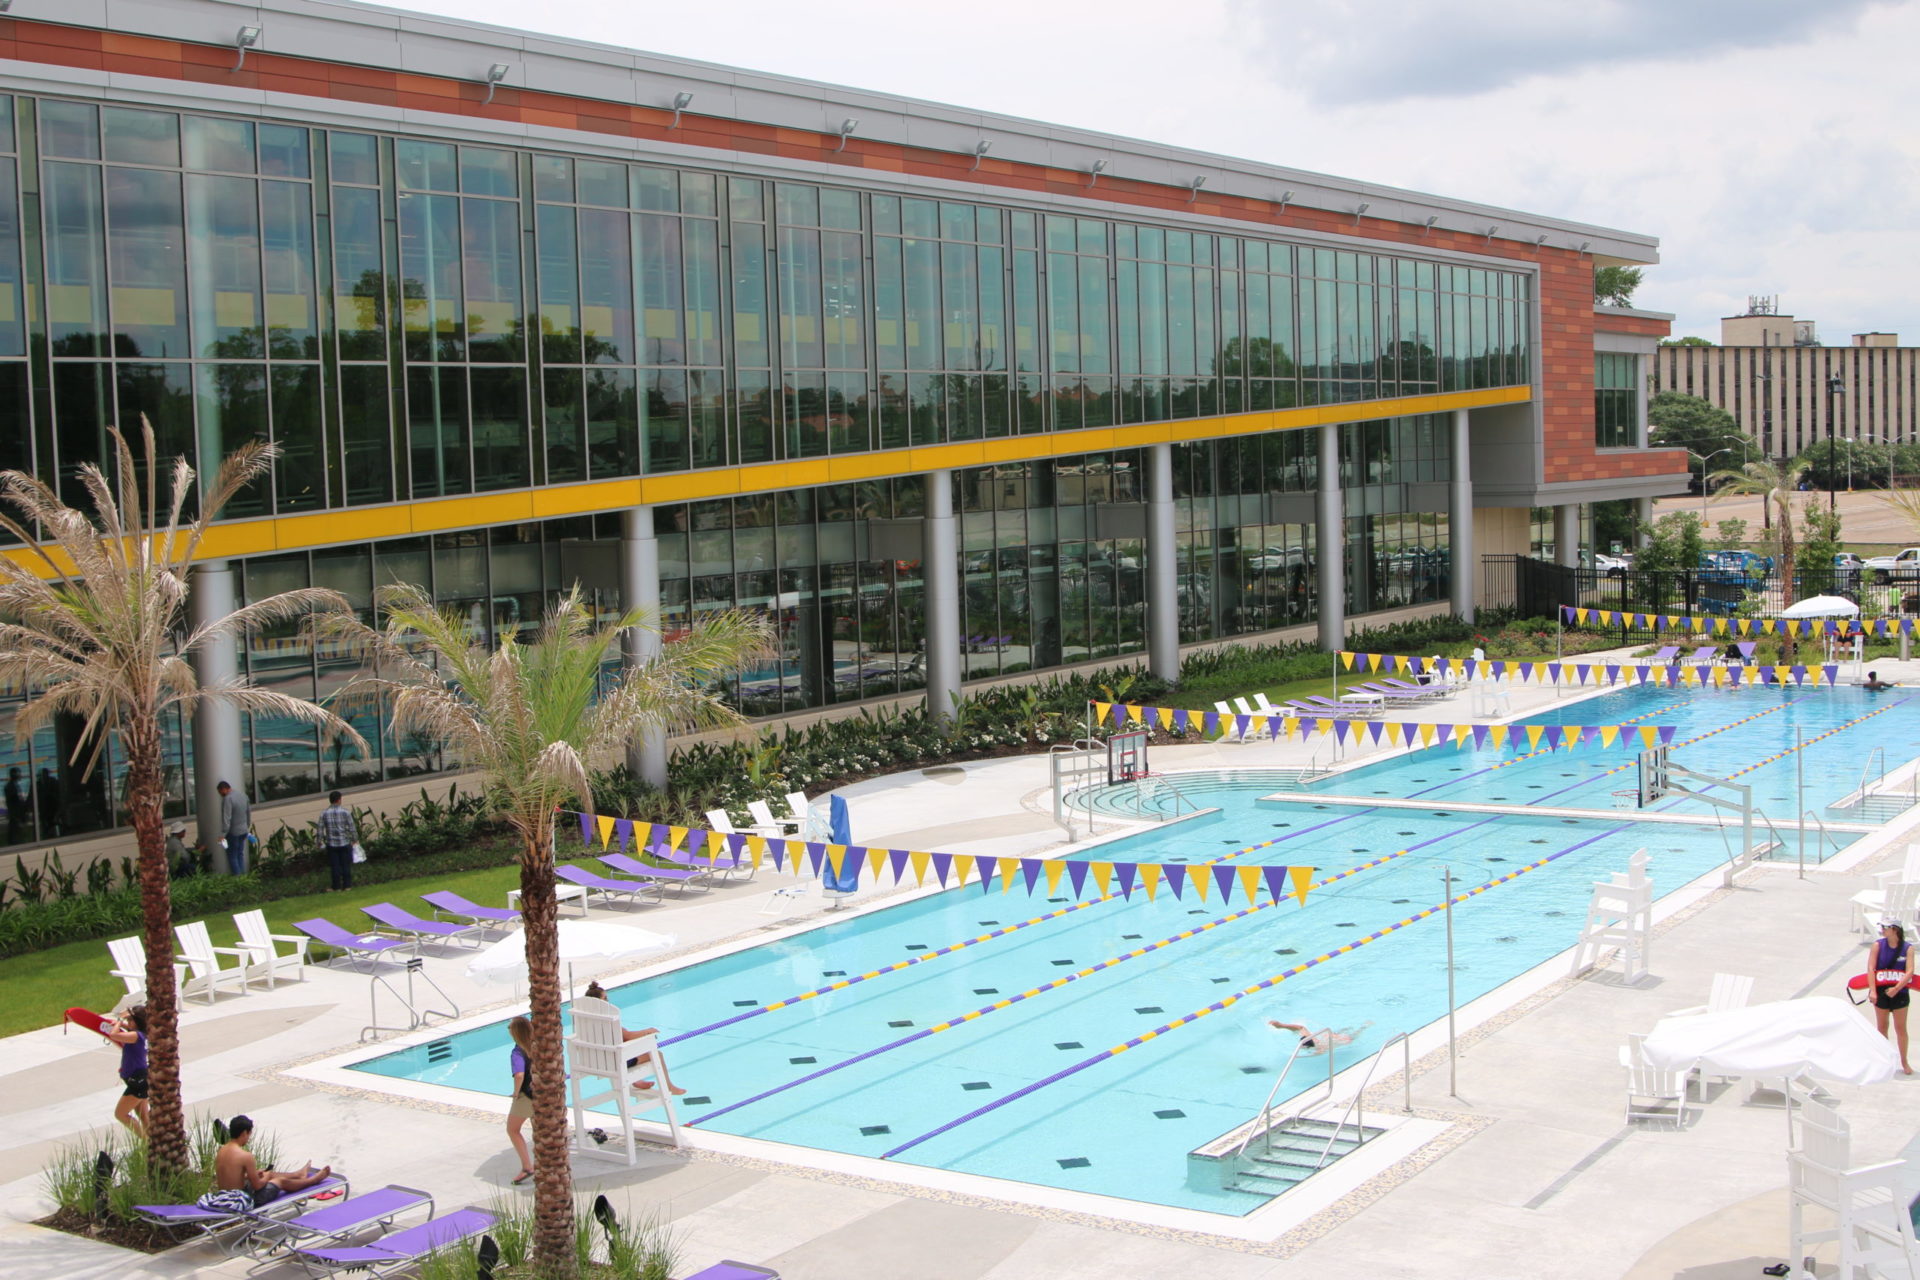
(506, 960)
(1820, 1036)
(1821, 607)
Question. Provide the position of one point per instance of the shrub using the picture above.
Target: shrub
(68, 1180)
(629, 1249)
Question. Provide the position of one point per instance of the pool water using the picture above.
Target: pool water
(1124, 1126)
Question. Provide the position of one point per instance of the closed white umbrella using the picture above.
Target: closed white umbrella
(1820, 1035)
(506, 960)
(1821, 607)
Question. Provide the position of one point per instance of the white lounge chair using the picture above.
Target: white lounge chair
(1899, 901)
(598, 1050)
(263, 950)
(204, 969)
(130, 966)
(1229, 726)
(1651, 1091)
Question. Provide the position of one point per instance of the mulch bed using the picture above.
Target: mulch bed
(128, 1235)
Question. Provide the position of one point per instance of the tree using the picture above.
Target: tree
(528, 717)
(1774, 484)
(1843, 464)
(1688, 341)
(94, 627)
(1614, 286)
(1672, 544)
(1678, 421)
(1730, 535)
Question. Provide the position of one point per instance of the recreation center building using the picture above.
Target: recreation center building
(952, 395)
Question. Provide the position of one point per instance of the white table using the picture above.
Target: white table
(563, 891)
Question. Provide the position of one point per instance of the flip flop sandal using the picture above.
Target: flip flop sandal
(522, 1176)
(1777, 1269)
(330, 1195)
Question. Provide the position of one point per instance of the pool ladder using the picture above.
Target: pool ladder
(1307, 1144)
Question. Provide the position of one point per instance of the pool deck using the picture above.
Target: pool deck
(1533, 1172)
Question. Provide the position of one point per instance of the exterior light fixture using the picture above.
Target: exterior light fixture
(1364, 206)
(1193, 189)
(1489, 232)
(1286, 198)
(243, 39)
(495, 74)
(980, 150)
(847, 127)
(680, 101)
(1428, 224)
(1099, 167)
(1538, 241)
(1584, 246)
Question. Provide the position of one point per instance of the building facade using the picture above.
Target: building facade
(948, 395)
(1788, 392)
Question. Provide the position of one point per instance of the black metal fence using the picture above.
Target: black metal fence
(1537, 588)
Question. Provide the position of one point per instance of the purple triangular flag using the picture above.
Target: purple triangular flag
(1077, 877)
(1666, 734)
(942, 863)
(816, 852)
(1223, 880)
(622, 832)
(1030, 869)
(986, 866)
(897, 861)
(1553, 737)
(1125, 872)
(1176, 877)
(1276, 878)
(586, 828)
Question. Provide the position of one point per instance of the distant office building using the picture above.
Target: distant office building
(1773, 375)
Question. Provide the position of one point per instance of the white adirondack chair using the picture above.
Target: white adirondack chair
(1900, 900)
(767, 825)
(598, 1051)
(1909, 868)
(130, 966)
(1652, 1090)
(1229, 731)
(1869, 904)
(1729, 991)
(203, 961)
(1869, 1215)
(263, 952)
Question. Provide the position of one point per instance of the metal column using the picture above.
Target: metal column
(940, 571)
(1163, 562)
(1566, 534)
(1643, 515)
(1332, 539)
(217, 754)
(640, 589)
(1460, 520)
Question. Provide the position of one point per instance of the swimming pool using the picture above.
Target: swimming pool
(870, 1068)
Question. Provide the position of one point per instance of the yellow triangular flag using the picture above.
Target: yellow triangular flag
(1302, 878)
(1199, 880)
(836, 858)
(1608, 732)
(1133, 713)
(1054, 869)
(1581, 615)
(1166, 718)
(1101, 710)
(1497, 735)
(962, 865)
(920, 862)
(1150, 877)
(1346, 659)
(876, 858)
(1009, 867)
(1250, 884)
(676, 836)
(1290, 727)
(1426, 735)
(1102, 873)
(605, 824)
(1649, 736)
(1533, 736)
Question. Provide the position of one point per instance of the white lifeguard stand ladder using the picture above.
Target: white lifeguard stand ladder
(1619, 922)
(597, 1050)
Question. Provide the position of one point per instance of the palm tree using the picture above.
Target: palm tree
(92, 624)
(528, 717)
(1774, 483)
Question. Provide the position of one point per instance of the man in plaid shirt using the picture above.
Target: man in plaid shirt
(337, 836)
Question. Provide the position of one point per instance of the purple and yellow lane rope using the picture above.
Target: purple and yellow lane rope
(1227, 1002)
(1029, 994)
(1841, 728)
(947, 950)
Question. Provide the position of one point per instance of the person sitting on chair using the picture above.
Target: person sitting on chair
(234, 1171)
(595, 991)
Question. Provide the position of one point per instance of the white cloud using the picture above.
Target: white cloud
(1766, 142)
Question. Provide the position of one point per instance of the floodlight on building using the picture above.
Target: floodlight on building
(244, 39)
(847, 127)
(980, 150)
(1428, 224)
(1488, 233)
(1099, 167)
(680, 101)
(1193, 189)
(1286, 198)
(495, 74)
(1538, 241)
(1584, 246)
(1364, 206)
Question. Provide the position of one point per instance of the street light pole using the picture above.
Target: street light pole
(1703, 481)
(1835, 387)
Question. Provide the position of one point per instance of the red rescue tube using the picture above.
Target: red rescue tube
(90, 1020)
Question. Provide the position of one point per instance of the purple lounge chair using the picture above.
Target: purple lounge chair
(331, 1222)
(399, 1250)
(681, 878)
(401, 920)
(1746, 648)
(725, 862)
(356, 946)
(1393, 695)
(608, 888)
(228, 1230)
(731, 1270)
(1665, 654)
(447, 902)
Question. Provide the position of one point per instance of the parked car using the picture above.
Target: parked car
(1276, 559)
(1903, 566)
(1847, 568)
(1612, 566)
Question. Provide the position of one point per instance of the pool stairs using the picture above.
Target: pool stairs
(1292, 1152)
(1165, 796)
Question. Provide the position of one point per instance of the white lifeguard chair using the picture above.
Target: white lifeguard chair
(1620, 921)
(598, 1050)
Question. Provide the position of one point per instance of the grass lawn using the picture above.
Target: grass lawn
(36, 989)
(1202, 699)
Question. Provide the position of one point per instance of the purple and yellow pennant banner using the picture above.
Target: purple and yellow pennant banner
(1730, 627)
(696, 845)
(1397, 733)
(1552, 671)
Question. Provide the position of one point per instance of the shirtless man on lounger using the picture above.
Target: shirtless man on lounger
(234, 1169)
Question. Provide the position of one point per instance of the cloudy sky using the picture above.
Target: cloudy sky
(1768, 143)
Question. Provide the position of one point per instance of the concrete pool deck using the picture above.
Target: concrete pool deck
(1533, 1172)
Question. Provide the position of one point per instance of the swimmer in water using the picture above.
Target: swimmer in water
(1311, 1042)
(1875, 684)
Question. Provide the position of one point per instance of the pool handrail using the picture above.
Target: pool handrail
(1357, 1107)
(1265, 1125)
(1824, 835)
